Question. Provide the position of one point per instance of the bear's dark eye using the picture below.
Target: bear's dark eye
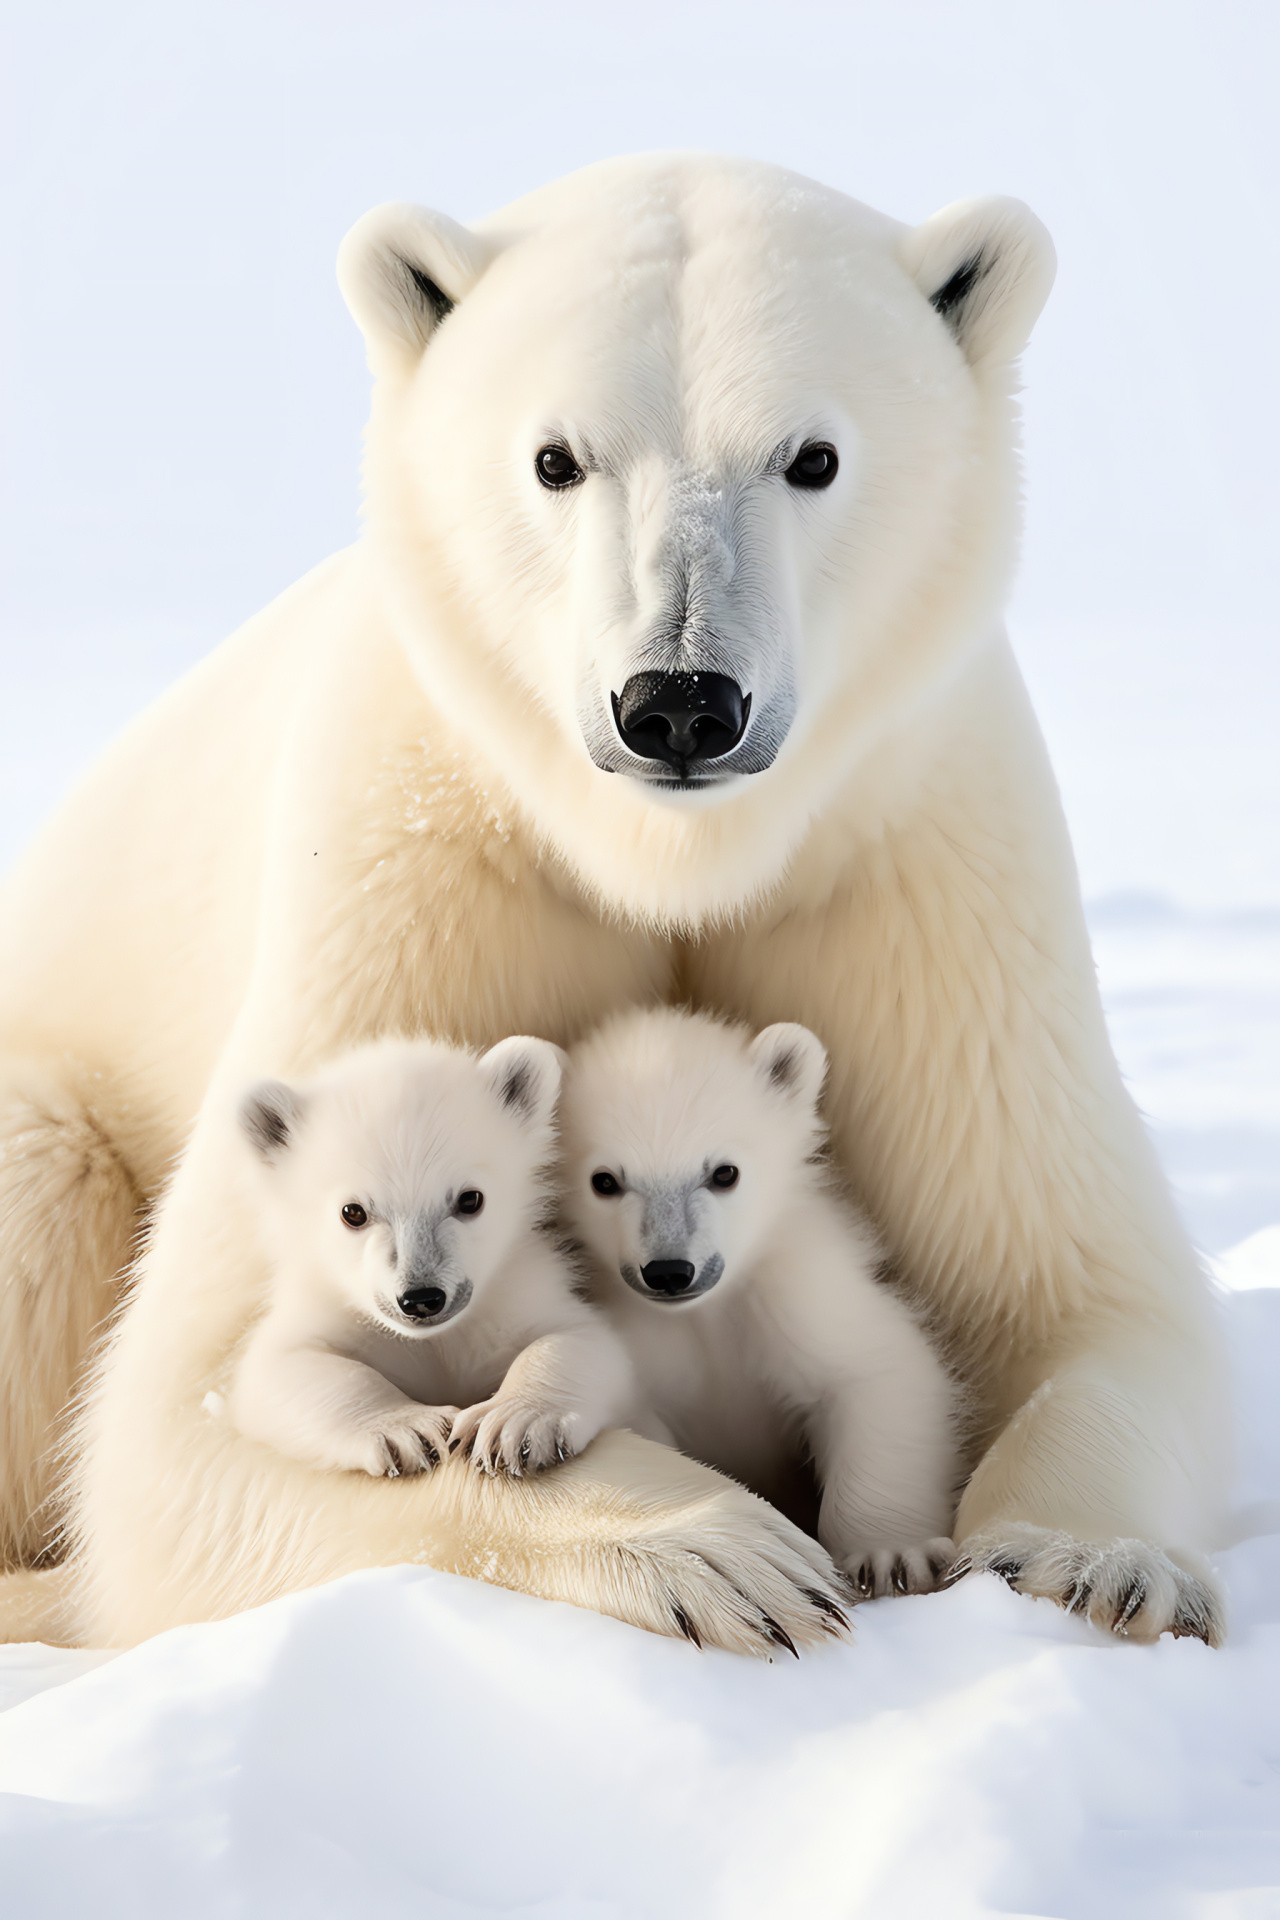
(354, 1216)
(816, 465)
(470, 1200)
(556, 467)
(724, 1178)
(606, 1184)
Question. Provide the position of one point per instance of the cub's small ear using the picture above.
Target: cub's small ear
(269, 1115)
(791, 1061)
(402, 270)
(525, 1076)
(985, 266)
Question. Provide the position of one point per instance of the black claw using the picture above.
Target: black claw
(825, 1605)
(1193, 1620)
(397, 1464)
(778, 1636)
(1133, 1602)
(864, 1582)
(1008, 1566)
(899, 1579)
(1078, 1599)
(562, 1452)
(960, 1570)
(454, 1445)
(686, 1625)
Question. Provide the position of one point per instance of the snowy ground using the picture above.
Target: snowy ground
(409, 1743)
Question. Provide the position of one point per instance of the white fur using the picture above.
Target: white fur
(785, 1341)
(375, 810)
(338, 1372)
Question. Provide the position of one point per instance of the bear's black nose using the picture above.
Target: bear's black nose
(421, 1303)
(668, 1276)
(681, 719)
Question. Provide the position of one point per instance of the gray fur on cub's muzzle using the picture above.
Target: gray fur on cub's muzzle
(430, 1288)
(673, 1268)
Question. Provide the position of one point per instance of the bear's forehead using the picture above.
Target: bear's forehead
(699, 289)
(671, 209)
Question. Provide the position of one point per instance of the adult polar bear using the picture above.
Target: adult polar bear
(670, 668)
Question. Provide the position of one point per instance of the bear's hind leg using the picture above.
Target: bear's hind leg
(68, 1215)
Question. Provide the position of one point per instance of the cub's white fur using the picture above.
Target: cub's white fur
(415, 1304)
(746, 1293)
(397, 802)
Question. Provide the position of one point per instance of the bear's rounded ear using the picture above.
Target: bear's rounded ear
(791, 1061)
(402, 270)
(985, 266)
(525, 1075)
(269, 1115)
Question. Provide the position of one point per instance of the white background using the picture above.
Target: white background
(183, 391)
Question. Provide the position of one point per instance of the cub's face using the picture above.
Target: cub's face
(402, 1178)
(683, 1146)
(685, 476)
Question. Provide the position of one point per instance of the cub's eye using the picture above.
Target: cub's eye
(354, 1216)
(815, 466)
(724, 1178)
(605, 1183)
(470, 1200)
(556, 467)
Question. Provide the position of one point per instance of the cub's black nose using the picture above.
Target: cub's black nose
(422, 1303)
(681, 719)
(668, 1276)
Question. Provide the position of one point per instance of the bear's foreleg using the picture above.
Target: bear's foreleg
(886, 1457)
(331, 1411)
(68, 1217)
(1107, 1457)
(555, 1397)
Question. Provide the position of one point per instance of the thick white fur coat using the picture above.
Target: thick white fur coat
(397, 802)
(417, 1302)
(752, 1303)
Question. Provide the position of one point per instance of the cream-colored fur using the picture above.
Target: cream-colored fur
(415, 1305)
(377, 810)
(749, 1299)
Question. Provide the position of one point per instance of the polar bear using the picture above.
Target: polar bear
(670, 667)
(416, 1303)
(750, 1300)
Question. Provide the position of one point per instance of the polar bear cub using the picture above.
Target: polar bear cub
(417, 1303)
(746, 1292)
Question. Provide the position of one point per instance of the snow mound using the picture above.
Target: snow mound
(409, 1743)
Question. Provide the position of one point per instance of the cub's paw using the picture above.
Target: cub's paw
(407, 1442)
(1122, 1586)
(518, 1436)
(875, 1572)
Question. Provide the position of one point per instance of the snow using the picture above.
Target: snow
(407, 1742)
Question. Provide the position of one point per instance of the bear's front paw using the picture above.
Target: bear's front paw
(518, 1437)
(1123, 1586)
(407, 1442)
(923, 1567)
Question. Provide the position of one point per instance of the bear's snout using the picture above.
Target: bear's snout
(668, 1276)
(422, 1303)
(681, 719)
